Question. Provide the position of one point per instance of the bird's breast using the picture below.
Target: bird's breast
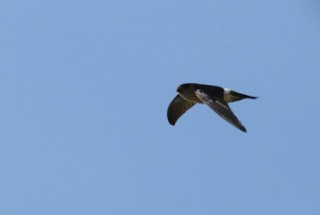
(190, 96)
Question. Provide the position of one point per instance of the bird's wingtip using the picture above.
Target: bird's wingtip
(243, 129)
(171, 122)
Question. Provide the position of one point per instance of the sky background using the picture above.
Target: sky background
(85, 86)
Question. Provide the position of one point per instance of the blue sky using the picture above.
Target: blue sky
(85, 85)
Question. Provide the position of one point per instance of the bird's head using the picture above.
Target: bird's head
(185, 88)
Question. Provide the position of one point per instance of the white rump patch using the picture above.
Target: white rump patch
(226, 95)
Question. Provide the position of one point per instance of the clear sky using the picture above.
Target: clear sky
(85, 86)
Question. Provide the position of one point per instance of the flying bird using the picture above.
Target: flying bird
(217, 98)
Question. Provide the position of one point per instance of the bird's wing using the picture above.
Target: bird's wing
(177, 107)
(221, 108)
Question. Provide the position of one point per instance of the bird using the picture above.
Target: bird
(217, 98)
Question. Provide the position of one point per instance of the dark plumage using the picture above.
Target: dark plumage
(217, 98)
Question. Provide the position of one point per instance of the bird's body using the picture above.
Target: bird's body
(217, 98)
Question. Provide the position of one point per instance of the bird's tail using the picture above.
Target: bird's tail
(238, 96)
